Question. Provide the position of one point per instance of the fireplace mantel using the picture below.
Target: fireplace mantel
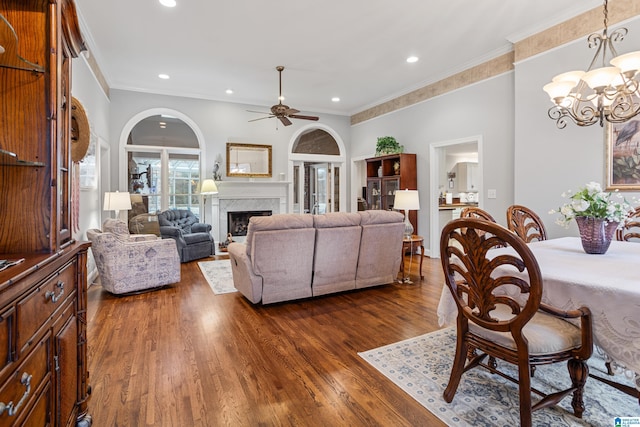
(245, 195)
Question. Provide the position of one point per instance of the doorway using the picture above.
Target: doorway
(316, 162)
(442, 156)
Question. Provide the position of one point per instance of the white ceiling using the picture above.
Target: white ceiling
(353, 49)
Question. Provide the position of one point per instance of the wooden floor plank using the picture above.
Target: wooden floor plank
(182, 356)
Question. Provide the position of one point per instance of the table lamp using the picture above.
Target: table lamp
(407, 200)
(207, 188)
(116, 201)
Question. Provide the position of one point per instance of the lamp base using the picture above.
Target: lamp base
(408, 227)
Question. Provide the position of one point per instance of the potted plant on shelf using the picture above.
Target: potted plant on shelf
(388, 145)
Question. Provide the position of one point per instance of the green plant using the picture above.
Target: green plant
(388, 145)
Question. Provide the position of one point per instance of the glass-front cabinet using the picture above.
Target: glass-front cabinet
(374, 199)
(385, 175)
(389, 187)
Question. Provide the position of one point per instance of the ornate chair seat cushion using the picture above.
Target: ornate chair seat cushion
(546, 334)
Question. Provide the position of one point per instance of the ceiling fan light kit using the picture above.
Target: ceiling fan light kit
(280, 111)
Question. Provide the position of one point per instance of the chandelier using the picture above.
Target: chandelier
(608, 93)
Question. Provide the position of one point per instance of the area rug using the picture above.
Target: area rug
(218, 275)
(421, 366)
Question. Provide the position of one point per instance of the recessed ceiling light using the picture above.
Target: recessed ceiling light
(335, 99)
(163, 76)
(229, 91)
(168, 3)
(412, 59)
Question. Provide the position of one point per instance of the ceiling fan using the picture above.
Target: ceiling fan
(280, 111)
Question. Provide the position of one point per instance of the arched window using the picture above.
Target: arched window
(316, 141)
(163, 159)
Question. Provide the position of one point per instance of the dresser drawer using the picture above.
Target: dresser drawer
(7, 341)
(36, 308)
(17, 394)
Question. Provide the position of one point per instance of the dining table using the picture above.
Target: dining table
(609, 284)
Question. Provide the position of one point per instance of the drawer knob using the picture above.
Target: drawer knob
(52, 295)
(10, 408)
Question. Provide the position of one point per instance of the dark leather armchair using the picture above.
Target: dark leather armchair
(193, 238)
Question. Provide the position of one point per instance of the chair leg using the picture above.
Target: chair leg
(456, 370)
(524, 386)
(609, 369)
(579, 372)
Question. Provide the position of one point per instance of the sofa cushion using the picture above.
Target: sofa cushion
(336, 219)
(197, 238)
(380, 217)
(276, 222)
(116, 227)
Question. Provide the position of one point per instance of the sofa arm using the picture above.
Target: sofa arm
(244, 280)
(169, 231)
(200, 227)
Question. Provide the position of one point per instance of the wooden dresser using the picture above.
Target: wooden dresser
(43, 300)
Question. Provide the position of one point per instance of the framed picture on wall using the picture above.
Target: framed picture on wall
(622, 157)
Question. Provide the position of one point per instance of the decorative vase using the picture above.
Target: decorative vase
(595, 233)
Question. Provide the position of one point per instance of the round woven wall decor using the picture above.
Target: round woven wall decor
(80, 131)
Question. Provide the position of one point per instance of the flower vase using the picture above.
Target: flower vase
(595, 233)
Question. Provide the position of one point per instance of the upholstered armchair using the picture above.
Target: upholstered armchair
(193, 238)
(132, 262)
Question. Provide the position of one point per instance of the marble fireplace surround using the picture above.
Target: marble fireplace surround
(235, 196)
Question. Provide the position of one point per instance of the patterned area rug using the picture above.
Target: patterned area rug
(218, 274)
(421, 366)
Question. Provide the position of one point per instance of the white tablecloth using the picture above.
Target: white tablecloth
(608, 284)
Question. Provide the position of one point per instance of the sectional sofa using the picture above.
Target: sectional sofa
(291, 256)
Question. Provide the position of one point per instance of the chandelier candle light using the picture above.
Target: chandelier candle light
(608, 93)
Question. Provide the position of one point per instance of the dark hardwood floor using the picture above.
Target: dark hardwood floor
(182, 356)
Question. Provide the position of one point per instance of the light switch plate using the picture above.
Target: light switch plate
(491, 194)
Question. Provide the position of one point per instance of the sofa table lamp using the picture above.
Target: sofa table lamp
(407, 200)
(207, 188)
(117, 201)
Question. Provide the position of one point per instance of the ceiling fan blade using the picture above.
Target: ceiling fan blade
(261, 118)
(285, 121)
(291, 111)
(259, 112)
(296, 116)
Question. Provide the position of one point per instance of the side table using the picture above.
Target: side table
(411, 243)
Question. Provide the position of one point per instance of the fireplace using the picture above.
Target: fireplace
(238, 221)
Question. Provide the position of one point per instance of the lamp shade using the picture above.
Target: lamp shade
(408, 200)
(116, 201)
(208, 187)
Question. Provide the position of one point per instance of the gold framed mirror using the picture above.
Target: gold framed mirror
(248, 160)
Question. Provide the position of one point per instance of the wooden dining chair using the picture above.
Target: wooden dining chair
(514, 326)
(476, 212)
(631, 230)
(525, 223)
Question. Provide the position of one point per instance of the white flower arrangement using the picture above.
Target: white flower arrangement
(591, 201)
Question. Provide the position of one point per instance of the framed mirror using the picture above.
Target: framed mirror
(248, 160)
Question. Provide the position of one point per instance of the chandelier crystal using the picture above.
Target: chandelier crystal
(608, 93)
